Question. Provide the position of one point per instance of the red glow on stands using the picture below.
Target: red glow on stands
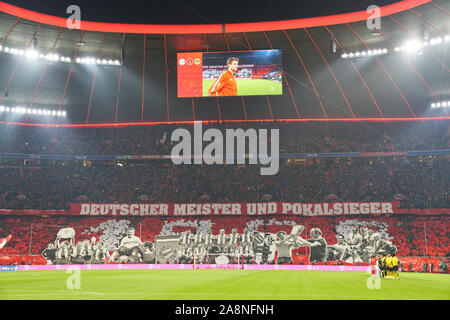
(127, 124)
(210, 28)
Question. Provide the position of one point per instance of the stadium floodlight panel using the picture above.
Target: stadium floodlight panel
(33, 54)
(23, 110)
(440, 104)
(366, 53)
(412, 46)
(94, 61)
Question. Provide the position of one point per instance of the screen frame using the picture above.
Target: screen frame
(238, 96)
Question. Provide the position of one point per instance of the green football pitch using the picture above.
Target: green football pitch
(251, 87)
(219, 285)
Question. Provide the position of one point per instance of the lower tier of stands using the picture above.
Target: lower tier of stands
(411, 235)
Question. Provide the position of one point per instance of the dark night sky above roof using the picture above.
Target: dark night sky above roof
(197, 11)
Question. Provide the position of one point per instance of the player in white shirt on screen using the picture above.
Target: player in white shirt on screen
(129, 242)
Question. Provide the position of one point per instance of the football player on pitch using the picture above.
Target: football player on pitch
(226, 84)
(396, 273)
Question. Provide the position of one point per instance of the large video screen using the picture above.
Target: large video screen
(227, 74)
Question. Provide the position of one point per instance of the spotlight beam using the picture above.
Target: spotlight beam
(19, 63)
(43, 72)
(359, 74)
(386, 72)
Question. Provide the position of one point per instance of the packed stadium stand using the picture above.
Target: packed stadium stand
(297, 137)
(418, 183)
(33, 234)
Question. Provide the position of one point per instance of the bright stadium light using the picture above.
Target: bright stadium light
(32, 54)
(52, 57)
(365, 53)
(23, 110)
(412, 46)
(95, 61)
(436, 41)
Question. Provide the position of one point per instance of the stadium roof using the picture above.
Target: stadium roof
(317, 83)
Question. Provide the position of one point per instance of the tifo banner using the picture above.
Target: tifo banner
(4, 241)
(266, 208)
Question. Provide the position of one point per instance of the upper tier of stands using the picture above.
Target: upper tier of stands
(294, 137)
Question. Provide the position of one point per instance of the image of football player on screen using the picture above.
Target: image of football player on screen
(225, 84)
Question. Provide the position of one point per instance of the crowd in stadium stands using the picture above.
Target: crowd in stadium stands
(294, 137)
(417, 182)
(405, 232)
